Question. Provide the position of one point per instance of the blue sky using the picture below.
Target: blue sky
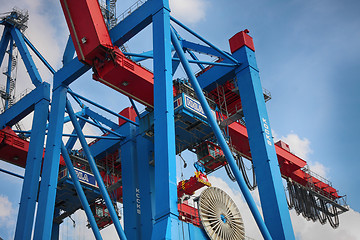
(308, 53)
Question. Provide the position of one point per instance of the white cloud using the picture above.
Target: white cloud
(318, 168)
(189, 11)
(5, 207)
(7, 216)
(298, 146)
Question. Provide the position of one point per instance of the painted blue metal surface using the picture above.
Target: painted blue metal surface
(103, 108)
(77, 175)
(101, 118)
(24, 106)
(267, 171)
(47, 194)
(132, 209)
(225, 54)
(24, 224)
(212, 121)
(72, 140)
(43, 60)
(25, 54)
(144, 195)
(69, 51)
(166, 212)
(96, 172)
(4, 42)
(11, 173)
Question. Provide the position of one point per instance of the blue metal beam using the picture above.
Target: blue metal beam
(134, 107)
(96, 172)
(29, 194)
(38, 54)
(11, 173)
(47, 193)
(103, 108)
(69, 51)
(133, 24)
(95, 124)
(4, 42)
(266, 165)
(221, 140)
(193, 56)
(70, 72)
(200, 48)
(80, 193)
(166, 220)
(100, 118)
(27, 59)
(72, 140)
(25, 105)
(74, 135)
(225, 54)
(222, 64)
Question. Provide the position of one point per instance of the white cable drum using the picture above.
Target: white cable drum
(220, 216)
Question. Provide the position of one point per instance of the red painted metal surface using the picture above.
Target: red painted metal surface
(210, 156)
(129, 113)
(127, 77)
(87, 28)
(189, 214)
(194, 183)
(241, 39)
(14, 150)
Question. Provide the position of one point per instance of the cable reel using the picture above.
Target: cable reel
(220, 216)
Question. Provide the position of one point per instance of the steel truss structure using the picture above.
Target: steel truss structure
(146, 143)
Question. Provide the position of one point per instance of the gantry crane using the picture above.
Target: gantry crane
(133, 162)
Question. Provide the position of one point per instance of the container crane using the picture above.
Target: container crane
(133, 162)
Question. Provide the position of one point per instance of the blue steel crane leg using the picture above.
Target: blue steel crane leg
(8, 76)
(24, 224)
(267, 171)
(166, 220)
(212, 121)
(25, 54)
(4, 42)
(55, 231)
(47, 194)
(96, 172)
(130, 183)
(145, 149)
(80, 193)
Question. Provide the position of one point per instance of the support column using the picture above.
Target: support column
(47, 194)
(166, 221)
(130, 182)
(24, 224)
(267, 171)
